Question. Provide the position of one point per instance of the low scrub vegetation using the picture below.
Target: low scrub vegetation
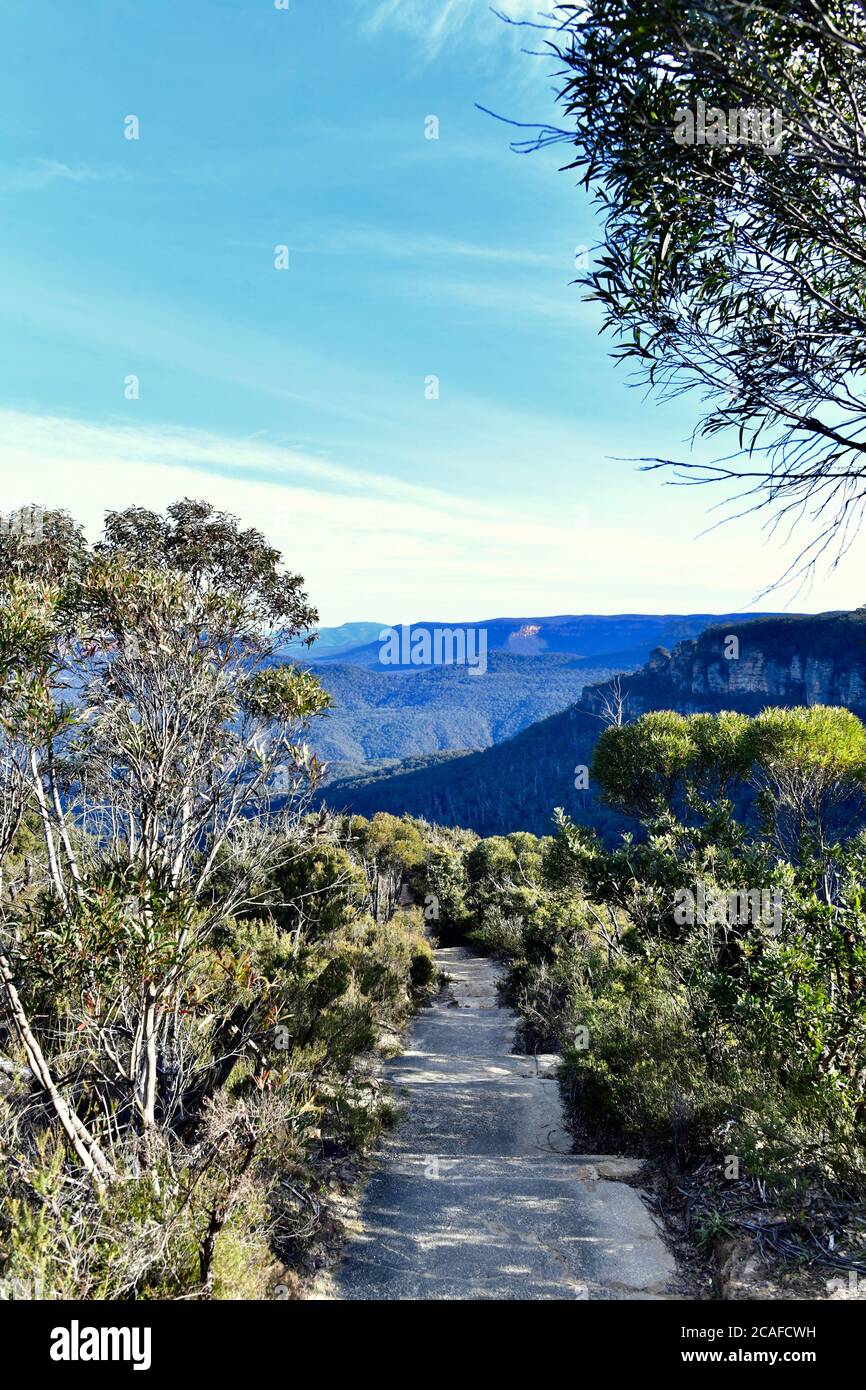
(196, 970)
(704, 981)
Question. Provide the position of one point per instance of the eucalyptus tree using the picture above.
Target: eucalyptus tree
(641, 766)
(726, 144)
(811, 763)
(160, 740)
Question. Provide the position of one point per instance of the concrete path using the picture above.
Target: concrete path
(477, 1195)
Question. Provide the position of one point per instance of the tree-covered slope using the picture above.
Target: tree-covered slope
(334, 641)
(810, 659)
(513, 785)
(618, 640)
(378, 715)
(535, 667)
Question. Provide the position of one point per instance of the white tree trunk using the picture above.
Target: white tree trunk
(86, 1147)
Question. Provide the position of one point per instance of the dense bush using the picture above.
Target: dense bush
(706, 985)
(196, 971)
(737, 1033)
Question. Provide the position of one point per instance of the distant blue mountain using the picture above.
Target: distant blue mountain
(618, 641)
(515, 783)
(383, 715)
(332, 641)
(386, 715)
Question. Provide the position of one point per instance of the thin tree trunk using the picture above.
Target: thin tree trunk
(62, 829)
(144, 1061)
(51, 848)
(79, 1136)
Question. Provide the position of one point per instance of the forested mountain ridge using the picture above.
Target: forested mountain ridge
(515, 785)
(379, 715)
(795, 660)
(333, 641)
(623, 640)
(385, 714)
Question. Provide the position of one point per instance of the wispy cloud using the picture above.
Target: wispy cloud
(365, 542)
(42, 173)
(452, 258)
(25, 437)
(353, 406)
(369, 544)
(435, 22)
(412, 245)
(565, 309)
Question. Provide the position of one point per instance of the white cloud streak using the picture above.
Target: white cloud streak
(435, 22)
(368, 544)
(411, 245)
(43, 173)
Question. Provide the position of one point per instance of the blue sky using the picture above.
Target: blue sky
(297, 398)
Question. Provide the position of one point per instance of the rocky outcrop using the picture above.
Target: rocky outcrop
(808, 660)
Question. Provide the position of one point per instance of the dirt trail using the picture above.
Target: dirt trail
(477, 1195)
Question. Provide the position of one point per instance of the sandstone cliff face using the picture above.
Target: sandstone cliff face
(816, 659)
